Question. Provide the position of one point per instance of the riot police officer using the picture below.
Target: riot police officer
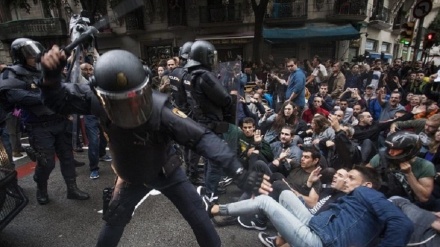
(211, 103)
(143, 128)
(178, 77)
(49, 132)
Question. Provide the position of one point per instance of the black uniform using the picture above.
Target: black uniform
(211, 102)
(145, 158)
(49, 132)
(178, 78)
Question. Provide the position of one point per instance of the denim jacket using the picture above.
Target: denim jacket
(359, 218)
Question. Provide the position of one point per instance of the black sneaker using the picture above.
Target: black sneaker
(267, 240)
(224, 220)
(252, 222)
(208, 199)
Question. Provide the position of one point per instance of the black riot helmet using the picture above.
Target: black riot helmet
(202, 53)
(24, 48)
(185, 49)
(123, 86)
(184, 52)
(407, 141)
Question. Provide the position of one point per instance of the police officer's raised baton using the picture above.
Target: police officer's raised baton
(81, 39)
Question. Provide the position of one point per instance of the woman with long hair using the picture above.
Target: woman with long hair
(322, 129)
(287, 115)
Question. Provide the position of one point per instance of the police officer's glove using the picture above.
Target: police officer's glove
(52, 65)
(249, 181)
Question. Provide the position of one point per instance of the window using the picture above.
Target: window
(385, 47)
(371, 45)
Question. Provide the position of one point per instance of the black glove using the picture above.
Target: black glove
(249, 181)
(52, 76)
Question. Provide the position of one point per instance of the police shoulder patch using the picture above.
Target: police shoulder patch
(179, 113)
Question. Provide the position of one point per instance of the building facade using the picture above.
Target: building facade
(333, 29)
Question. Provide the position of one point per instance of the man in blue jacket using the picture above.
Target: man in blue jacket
(296, 84)
(357, 219)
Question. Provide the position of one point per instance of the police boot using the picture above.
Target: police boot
(195, 179)
(73, 192)
(42, 196)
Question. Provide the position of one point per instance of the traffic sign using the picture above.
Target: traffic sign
(422, 8)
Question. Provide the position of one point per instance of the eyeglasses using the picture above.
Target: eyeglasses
(289, 66)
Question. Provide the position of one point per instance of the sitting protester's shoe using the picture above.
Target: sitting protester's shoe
(252, 222)
(105, 158)
(224, 220)
(267, 240)
(94, 174)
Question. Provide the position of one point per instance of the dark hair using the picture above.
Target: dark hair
(290, 128)
(369, 174)
(312, 150)
(248, 120)
(281, 120)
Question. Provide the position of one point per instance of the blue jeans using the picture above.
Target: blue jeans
(178, 190)
(290, 217)
(92, 132)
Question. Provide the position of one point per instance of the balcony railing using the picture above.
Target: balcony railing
(290, 9)
(355, 10)
(221, 13)
(33, 28)
(380, 17)
(380, 13)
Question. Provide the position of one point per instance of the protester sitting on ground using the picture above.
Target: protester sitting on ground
(426, 224)
(321, 130)
(287, 115)
(390, 107)
(411, 177)
(316, 107)
(327, 196)
(250, 139)
(348, 111)
(347, 152)
(299, 180)
(425, 128)
(327, 101)
(285, 151)
(369, 215)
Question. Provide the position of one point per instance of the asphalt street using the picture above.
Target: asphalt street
(67, 223)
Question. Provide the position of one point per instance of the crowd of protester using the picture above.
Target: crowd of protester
(308, 123)
(320, 129)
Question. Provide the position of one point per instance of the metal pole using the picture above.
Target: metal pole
(418, 39)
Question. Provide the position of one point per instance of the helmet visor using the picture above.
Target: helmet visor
(31, 49)
(128, 109)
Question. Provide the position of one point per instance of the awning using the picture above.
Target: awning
(375, 55)
(325, 32)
